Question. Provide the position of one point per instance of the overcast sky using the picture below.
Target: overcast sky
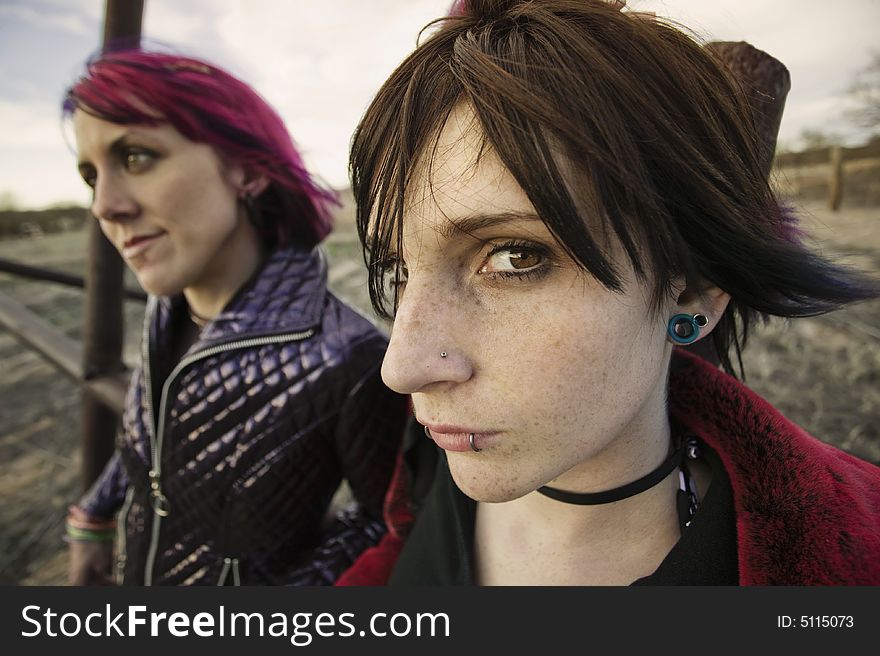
(319, 62)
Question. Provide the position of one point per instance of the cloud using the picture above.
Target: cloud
(50, 177)
(37, 166)
(317, 63)
(320, 62)
(34, 125)
(92, 11)
(823, 46)
(188, 26)
(63, 20)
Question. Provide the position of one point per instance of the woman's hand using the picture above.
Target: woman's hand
(90, 563)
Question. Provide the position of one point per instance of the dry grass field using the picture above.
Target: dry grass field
(824, 373)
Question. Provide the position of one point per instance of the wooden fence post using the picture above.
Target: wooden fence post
(765, 81)
(835, 182)
(102, 311)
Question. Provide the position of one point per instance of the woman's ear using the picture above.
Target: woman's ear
(705, 299)
(248, 184)
(253, 186)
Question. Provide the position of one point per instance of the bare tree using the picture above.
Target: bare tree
(865, 92)
(812, 138)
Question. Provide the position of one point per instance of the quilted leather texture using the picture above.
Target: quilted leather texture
(255, 438)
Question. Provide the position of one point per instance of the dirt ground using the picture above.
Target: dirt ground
(823, 373)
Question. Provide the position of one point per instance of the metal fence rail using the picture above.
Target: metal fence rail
(63, 352)
(61, 277)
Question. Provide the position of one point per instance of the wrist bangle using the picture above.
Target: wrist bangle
(87, 535)
(79, 518)
(91, 526)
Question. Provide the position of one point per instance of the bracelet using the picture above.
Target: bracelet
(86, 535)
(79, 518)
(91, 526)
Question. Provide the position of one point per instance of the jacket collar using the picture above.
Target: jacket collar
(806, 511)
(286, 294)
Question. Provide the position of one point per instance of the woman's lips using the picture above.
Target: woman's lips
(455, 438)
(138, 244)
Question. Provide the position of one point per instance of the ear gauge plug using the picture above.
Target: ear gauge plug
(685, 328)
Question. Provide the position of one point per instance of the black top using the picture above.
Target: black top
(438, 550)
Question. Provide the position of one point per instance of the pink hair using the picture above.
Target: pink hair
(208, 105)
(458, 8)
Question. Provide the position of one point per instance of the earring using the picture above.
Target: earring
(685, 328)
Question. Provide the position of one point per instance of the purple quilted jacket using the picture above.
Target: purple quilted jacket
(228, 459)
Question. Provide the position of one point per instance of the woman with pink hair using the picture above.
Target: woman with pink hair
(259, 390)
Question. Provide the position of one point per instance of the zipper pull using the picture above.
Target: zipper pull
(159, 501)
(230, 563)
(120, 568)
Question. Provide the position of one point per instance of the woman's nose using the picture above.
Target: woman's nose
(112, 200)
(426, 347)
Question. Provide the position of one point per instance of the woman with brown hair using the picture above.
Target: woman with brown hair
(556, 198)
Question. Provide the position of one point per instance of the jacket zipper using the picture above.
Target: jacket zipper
(121, 524)
(224, 573)
(160, 503)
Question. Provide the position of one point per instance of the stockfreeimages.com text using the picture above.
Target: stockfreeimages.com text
(300, 628)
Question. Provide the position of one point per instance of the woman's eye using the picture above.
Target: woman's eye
(394, 276)
(513, 259)
(138, 159)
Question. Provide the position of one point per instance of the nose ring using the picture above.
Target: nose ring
(443, 354)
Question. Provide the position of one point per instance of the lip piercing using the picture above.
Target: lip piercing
(443, 354)
(470, 440)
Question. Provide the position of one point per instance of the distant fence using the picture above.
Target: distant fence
(823, 155)
(833, 170)
(34, 223)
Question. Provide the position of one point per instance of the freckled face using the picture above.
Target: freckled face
(560, 379)
(168, 204)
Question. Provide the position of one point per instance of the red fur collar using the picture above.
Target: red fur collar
(807, 513)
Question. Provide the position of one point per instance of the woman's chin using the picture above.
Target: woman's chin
(156, 285)
(487, 487)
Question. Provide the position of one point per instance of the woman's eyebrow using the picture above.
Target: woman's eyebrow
(474, 222)
(115, 147)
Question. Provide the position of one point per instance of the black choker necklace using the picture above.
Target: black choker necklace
(687, 501)
(646, 482)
